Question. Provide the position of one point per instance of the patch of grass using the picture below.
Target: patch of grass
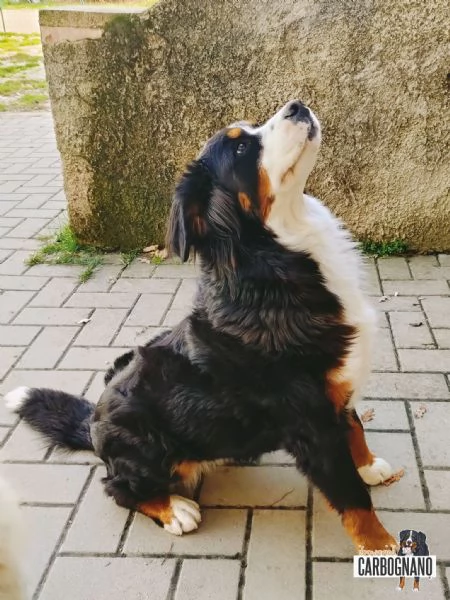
(14, 86)
(8, 70)
(393, 248)
(90, 268)
(65, 249)
(31, 100)
(23, 57)
(157, 260)
(128, 257)
(20, 89)
(12, 42)
(3, 107)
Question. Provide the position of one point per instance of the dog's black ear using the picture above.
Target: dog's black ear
(422, 537)
(187, 221)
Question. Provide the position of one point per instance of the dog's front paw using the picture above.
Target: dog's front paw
(377, 472)
(185, 516)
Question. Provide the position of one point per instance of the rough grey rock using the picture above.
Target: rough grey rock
(135, 94)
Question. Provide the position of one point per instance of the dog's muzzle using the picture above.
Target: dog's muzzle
(297, 112)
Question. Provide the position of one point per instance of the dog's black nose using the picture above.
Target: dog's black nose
(297, 111)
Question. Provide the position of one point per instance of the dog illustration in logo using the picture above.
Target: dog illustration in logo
(412, 543)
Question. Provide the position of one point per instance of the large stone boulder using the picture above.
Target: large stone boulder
(135, 94)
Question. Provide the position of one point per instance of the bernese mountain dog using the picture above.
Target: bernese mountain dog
(272, 356)
(412, 543)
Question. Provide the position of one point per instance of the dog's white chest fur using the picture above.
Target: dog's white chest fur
(310, 227)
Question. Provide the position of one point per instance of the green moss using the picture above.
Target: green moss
(65, 249)
(393, 248)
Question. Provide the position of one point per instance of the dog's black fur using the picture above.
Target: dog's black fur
(415, 543)
(243, 374)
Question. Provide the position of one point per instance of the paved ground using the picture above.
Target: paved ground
(265, 535)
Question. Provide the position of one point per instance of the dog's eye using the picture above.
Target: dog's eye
(241, 148)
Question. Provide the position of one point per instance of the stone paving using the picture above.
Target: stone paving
(265, 534)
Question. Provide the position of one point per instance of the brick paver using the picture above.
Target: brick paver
(265, 535)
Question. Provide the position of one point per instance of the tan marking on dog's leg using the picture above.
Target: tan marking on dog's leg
(401, 583)
(190, 472)
(416, 585)
(372, 469)
(366, 531)
(361, 454)
(177, 514)
(339, 390)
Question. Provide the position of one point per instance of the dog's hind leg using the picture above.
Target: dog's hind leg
(324, 456)
(416, 584)
(372, 469)
(401, 584)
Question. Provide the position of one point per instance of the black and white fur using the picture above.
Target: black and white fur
(279, 308)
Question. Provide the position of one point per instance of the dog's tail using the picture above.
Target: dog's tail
(62, 419)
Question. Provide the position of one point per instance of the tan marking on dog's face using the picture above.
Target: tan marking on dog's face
(367, 532)
(244, 201)
(265, 193)
(234, 132)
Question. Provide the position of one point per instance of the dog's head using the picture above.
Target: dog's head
(242, 174)
(412, 542)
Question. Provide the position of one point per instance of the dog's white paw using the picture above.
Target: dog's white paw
(15, 399)
(415, 589)
(186, 515)
(377, 472)
(399, 589)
